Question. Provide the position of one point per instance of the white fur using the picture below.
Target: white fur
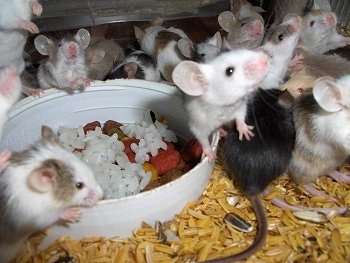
(64, 71)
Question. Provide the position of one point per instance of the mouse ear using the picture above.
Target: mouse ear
(188, 76)
(83, 36)
(42, 180)
(47, 134)
(327, 95)
(41, 43)
(227, 20)
(139, 33)
(130, 69)
(95, 55)
(216, 40)
(186, 46)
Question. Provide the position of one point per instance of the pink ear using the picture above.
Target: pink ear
(328, 96)
(130, 69)
(188, 76)
(41, 180)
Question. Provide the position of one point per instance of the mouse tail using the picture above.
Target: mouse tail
(259, 241)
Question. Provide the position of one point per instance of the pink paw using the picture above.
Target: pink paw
(29, 26)
(72, 214)
(37, 8)
(298, 59)
(35, 92)
(244, 130)
(4, 157)
(207, 151)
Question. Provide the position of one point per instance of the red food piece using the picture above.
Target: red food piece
(91, 126)
(166, 160)
(128, 151)
(111, 126)
(192, 151)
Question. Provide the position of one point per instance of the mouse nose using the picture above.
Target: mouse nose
(72, 49)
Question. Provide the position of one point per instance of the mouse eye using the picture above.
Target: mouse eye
(301, 90)
(201, 55)
(243, 24)
(229, 71)
(280, 37)
(312, 23)
(79, 185)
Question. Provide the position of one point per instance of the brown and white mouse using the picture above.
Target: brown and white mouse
(216, 92)
(322, 125)
(65, 67)
(40, 186)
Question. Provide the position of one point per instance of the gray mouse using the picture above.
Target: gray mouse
(279, 44)
(216, 92)
(319, 32)
(65, 67)
(40, 186)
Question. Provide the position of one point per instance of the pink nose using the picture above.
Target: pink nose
(330, 19)
(72, 49)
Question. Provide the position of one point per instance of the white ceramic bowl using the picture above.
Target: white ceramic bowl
(124, 101)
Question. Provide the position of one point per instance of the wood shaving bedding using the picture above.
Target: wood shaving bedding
(199, 233)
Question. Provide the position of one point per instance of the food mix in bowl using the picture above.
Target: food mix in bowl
(130, 158)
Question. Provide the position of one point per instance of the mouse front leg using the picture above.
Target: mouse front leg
(4, 157)
(36, 7)
(244, 129)
(71, 214)
(29, 26)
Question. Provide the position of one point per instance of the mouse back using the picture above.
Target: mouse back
(323, 138)
(254, 164)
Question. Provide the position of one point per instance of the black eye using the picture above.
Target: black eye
(201, 55)
(280, 37)
(229, 71)
(79, 185)
(301, 90)
(312, 23)
(243, 24)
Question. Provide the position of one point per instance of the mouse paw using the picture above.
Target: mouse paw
(244, 130)
(37, 8)
(207, 151)
(72, 214)
(35, 92)
(342, 178)
(222, 131)
(4, 157)
(298, 59)
(29, 26)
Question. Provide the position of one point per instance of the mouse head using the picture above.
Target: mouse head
(60, 172)
(224, 80)
(201, 52)
(70, 48)
(247, 32)
(243, 9)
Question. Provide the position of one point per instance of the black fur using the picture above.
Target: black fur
(254, 164)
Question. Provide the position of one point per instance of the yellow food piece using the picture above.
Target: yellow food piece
(148, 167)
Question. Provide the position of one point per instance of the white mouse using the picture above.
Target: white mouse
(65, 66)
(42, 185)
(216, 92)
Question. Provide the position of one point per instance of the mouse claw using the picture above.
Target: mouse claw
(72, 214)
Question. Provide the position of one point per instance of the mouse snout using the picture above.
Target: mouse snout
(93, 196)
(72, 50)
(258, 68)
(257, 29)
(330, 19)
